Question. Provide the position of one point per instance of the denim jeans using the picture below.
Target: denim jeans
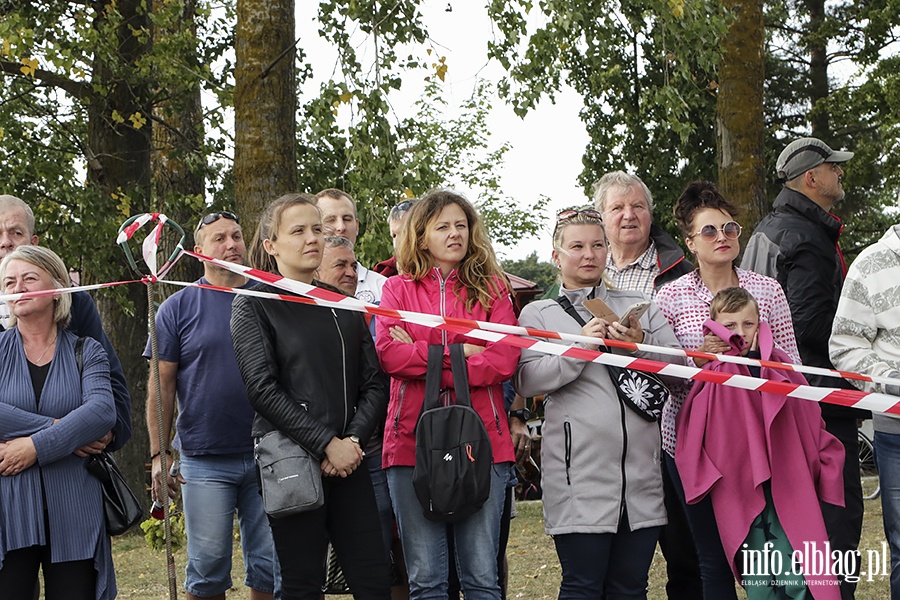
(477, 541)
(382, 499)
(887, 458)
(215, 486)
(715, 569)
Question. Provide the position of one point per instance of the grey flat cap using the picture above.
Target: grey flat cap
(804, 154)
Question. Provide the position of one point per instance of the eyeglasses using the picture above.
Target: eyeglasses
(215, 216)
(731, 230)
(571, 213)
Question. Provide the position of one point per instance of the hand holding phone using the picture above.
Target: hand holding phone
(636, 310)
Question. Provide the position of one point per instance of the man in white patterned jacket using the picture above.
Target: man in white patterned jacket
(865, 338)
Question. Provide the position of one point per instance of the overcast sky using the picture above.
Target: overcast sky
(547, 145)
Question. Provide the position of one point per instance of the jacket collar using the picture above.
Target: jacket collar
(577, 296)
(891, 239)
(668, 252)
(436, 275)
(790, 200)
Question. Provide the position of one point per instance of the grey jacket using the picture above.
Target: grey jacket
(598, 456)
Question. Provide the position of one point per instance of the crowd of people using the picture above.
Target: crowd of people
(715, 476)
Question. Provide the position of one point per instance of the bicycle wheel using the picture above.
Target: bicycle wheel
(868, 471)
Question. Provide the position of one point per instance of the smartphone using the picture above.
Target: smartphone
(636, 310)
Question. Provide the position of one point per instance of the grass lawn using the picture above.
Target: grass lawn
(534, 569)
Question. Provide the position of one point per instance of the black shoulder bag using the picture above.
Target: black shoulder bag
(452, 476)
(644, 393)
(120, 506)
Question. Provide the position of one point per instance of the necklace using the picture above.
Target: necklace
(38, 359)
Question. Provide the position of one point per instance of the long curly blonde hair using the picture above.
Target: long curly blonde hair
(478, 272)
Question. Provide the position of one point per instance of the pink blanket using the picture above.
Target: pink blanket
(731, 441)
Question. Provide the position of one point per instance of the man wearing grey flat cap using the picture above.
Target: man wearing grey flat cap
(797, 244)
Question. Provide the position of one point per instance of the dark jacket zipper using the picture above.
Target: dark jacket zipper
(624, 455)
(337, 326)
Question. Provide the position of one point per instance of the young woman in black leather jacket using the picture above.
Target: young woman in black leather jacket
(312, 373)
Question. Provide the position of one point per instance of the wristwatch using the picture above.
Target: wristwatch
(523, 414)
(355, 440)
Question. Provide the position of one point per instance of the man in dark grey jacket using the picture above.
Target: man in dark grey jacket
(797, 244)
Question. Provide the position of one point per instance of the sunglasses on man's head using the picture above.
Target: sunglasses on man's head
(215, 216)
(731, 230)
(571, 213)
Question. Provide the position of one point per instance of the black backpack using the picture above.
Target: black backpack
(452, 476)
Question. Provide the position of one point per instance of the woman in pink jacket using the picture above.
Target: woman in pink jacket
(447, 268)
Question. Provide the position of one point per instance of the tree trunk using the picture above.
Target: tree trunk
(818, 70)
(739, 113)
(264, 106)
(120, 177)
(176, 160)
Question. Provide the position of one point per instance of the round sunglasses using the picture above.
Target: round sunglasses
(731, 230)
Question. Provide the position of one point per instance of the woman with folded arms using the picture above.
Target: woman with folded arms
(448, 268)
(51, 508)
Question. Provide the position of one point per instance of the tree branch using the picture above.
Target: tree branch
(74, 88)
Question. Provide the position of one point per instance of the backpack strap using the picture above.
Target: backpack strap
(460, 374)
(433, 376)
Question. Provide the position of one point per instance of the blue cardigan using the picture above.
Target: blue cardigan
(86, 411)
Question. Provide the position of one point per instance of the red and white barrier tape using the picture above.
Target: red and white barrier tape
(853, 398)
(341, 301)
(128, 232)
(68, 290)
(512, 335)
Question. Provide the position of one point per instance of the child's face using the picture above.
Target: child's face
(744, 322)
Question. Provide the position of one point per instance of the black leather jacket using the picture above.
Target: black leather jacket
(310, 371)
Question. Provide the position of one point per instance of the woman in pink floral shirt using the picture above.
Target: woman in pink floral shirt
(711, 233)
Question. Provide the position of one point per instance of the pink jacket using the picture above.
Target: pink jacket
(406, 363)
(731, 441)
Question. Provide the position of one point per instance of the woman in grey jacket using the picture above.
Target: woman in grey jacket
(603, 493)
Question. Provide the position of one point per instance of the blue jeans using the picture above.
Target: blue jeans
(887, 458)
(382, 499)
(477, 541)
(609, 566)
(215, 486)
(715, 568)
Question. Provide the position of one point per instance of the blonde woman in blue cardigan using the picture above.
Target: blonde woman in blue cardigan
(51, 508)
